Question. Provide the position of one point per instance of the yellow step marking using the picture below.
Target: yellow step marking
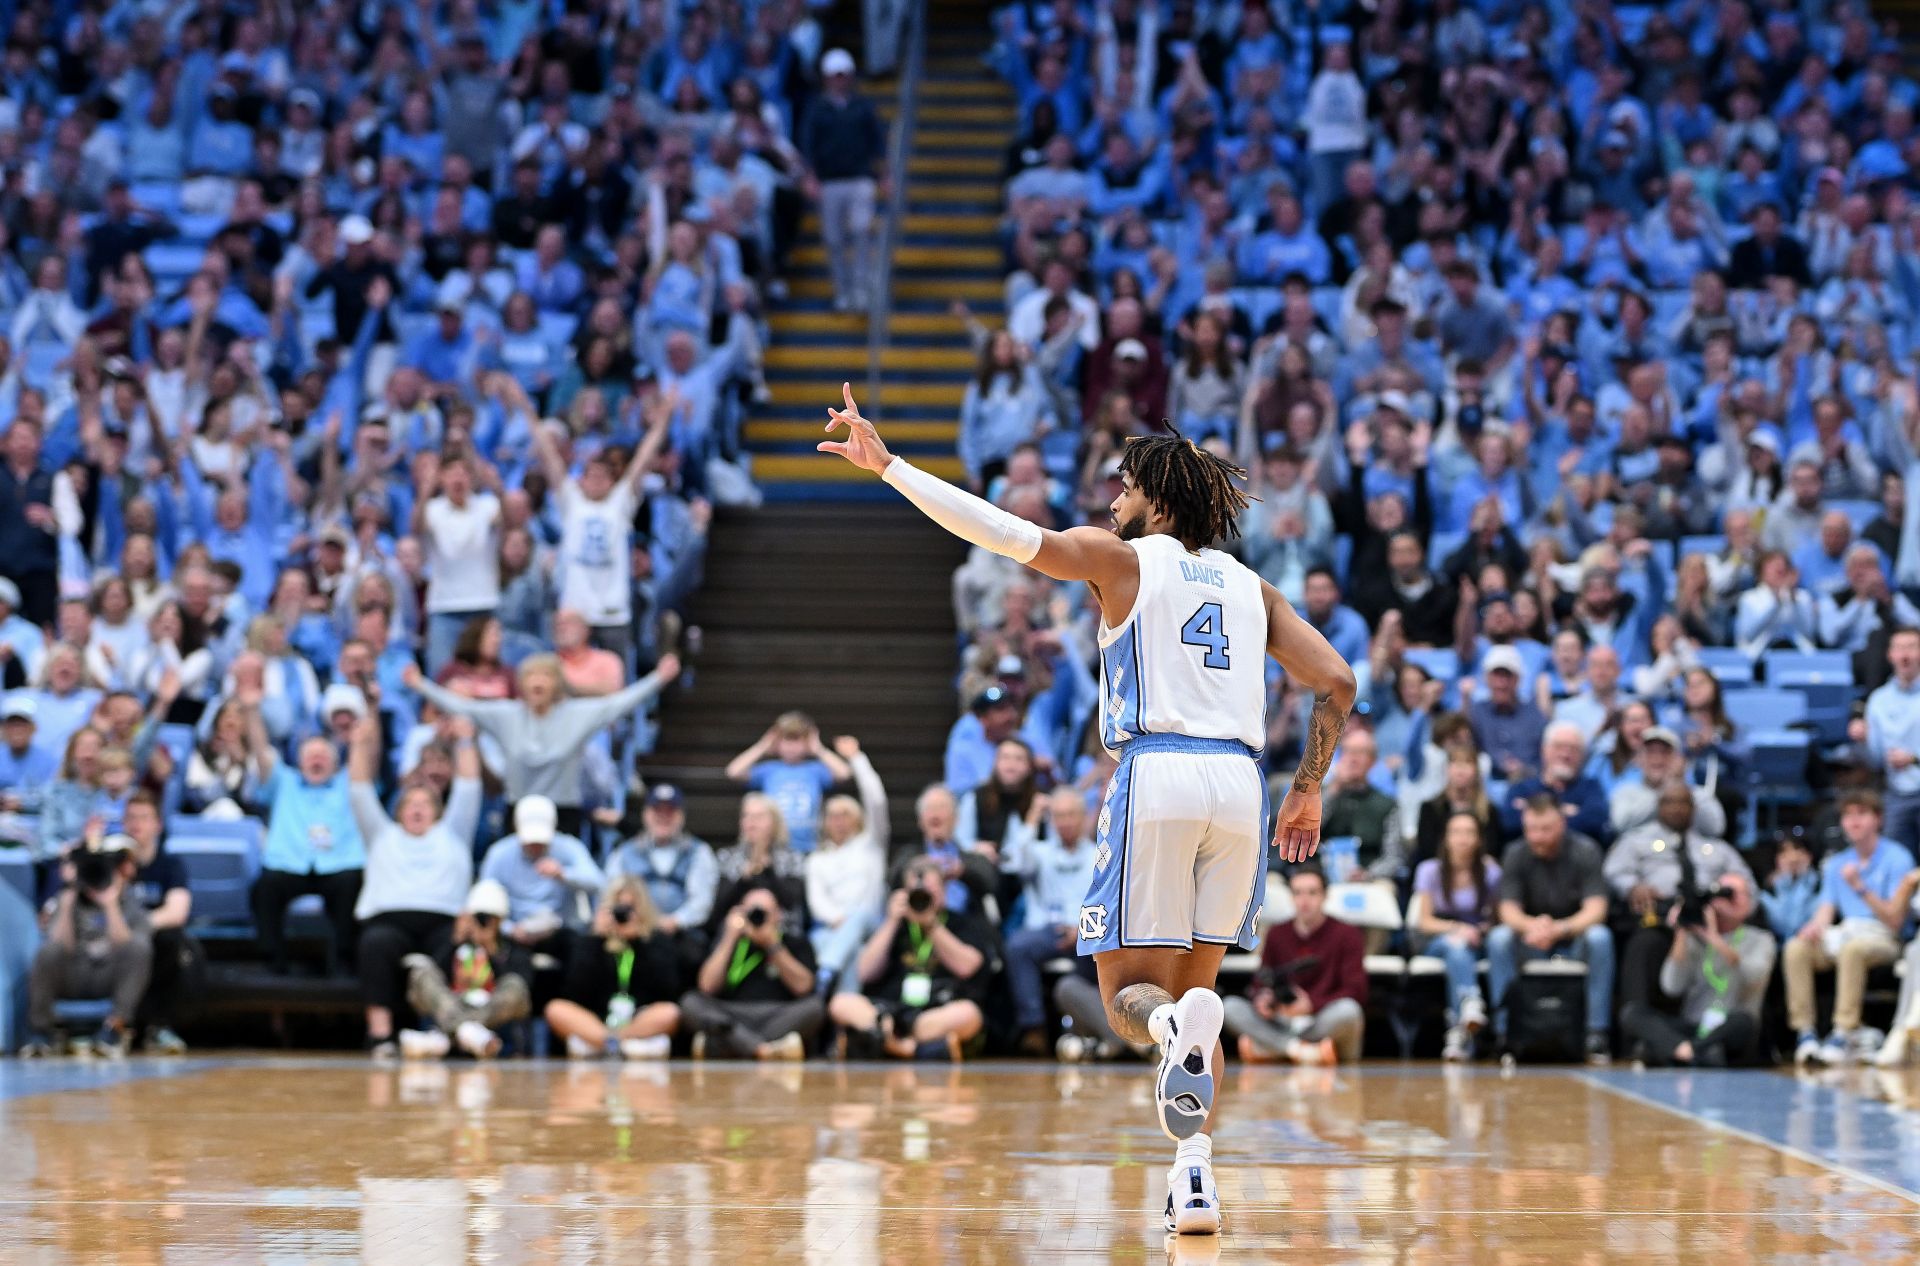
(795, 432)
(826, 468)
(807, 395)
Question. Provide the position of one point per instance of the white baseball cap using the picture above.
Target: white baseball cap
(534, 819)
(489, 896)
(340, 697)
(1503, 659)
(356, 230)
(838, 61)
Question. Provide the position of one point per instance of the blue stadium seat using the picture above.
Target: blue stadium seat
(1702, 545)
(1774, 774)
(172, 262)
(1729, 664)
(16, 871)
(1442, 544)
(1766, 709)
(1825, 678)
(1812, 665)
(1441, 662)
(81, 1014)
(222, 859)
(1861, 512)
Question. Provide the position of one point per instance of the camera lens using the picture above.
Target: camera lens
(622, 914)
(920, 901)
(757, 917)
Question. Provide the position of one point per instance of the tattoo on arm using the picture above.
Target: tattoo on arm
(1131, 1008)
(1323, 735)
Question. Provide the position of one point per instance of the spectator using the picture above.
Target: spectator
(1000, 817)
(476, 669)
(28, 530)
(1793, 890)
(1057, 869)
(1857, 926)
(1463, 791)
(847, 873)
(419, 871)
(543, 733)
(764, 856)
(922, 975)
(1454, 908)
(479, 985)
(973, 744)
(98, 943)
(1563, 755)
(678, 869)
(27, 770)
(843, 145)
(1508, 728)
(1592, 707)
(1652, 868)
(795, 769)
(1636, 797)
(1893, 737)
(1308, 1001)
(547, 877)
(1718, 969)
(1553, 903)
(1357, 810)
(755, 997)
(313, 844)
(621, 982)
(179, 964)
(461, 531)
(589, 671)
(970, 876)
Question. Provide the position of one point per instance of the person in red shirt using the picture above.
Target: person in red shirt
(1308, 1002)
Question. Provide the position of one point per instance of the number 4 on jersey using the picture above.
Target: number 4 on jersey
(1207, 628)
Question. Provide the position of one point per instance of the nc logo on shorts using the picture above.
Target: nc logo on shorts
(1093, 922)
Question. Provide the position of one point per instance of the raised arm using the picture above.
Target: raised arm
(1313, 664)
(550, 460)
(363, 762)
(659, 414)
(1084, 553)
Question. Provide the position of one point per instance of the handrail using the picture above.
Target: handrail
(899, 146)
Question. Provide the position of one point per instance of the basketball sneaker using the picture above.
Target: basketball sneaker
(423, 1044)
(1187, 1031)
(1193, 1202)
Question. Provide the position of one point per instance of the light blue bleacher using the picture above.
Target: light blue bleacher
(558, 327)
(1773, 774)
(1442, 663)
(1442, 544)
(1766, 709)
(1825, 678)
(1728, 664)
(1702, 545)
(222, 859)
(171, 263)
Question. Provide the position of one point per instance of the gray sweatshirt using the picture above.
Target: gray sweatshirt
(543, 753)
(1742, 984)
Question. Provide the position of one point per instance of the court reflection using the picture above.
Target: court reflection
(734, 1165)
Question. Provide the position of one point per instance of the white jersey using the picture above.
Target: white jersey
(1190, 658)
(596, 554)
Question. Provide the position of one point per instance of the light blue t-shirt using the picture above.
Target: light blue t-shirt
(799, 790)
(310, 830)
(1879, 874)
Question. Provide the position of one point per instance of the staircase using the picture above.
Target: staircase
(948, 248)
(842, 611)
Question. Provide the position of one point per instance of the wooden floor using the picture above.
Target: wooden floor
(295, 1161)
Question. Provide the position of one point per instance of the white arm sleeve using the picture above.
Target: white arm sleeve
(966, 516)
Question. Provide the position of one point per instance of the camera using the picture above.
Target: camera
(919, 901)
(93, 870)
(757, 917)
(1694, 902)
(622, 914)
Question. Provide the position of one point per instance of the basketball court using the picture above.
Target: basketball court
(315, 1160)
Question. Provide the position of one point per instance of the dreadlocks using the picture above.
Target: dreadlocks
(1191, 486)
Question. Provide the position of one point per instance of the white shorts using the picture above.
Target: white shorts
(1182, 853)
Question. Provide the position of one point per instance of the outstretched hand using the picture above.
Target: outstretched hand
(1296, 829)
(862, 446)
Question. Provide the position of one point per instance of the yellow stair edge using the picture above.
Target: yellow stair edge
(941, 112)
(796, 395)
(826, 468)
(979, 193)
(980, 222)
(989, 288)
(965, 89)
(789, 432)
(804, 356)
(994, 138)
(954, 165)
(918, 256)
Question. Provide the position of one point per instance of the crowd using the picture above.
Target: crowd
(1569, 350)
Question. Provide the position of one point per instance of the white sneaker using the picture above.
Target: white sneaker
(1071, 1048)
(423, 1044)
(1893, 1051)
(787, 1046)
(1459, 1047)
(477, 1040)
(581, 1048)
(1183, 1090)
(1807, 1052)
(1473, 1013)
(656, 1047)
(1193, 1202)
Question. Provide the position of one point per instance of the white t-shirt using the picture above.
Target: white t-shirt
(463, 554)
(596, 554)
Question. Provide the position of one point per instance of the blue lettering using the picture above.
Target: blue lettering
(1203, 575)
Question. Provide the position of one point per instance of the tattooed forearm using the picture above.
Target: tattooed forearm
(1323, 735)
(1132, 1007)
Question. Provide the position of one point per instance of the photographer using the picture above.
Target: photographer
(925, 972)
(755, 997)
(1647, 872)
(179, 964)
(1718, 969)
(98, 944)
(472, 988)
(1308, 1000)
(621, 982)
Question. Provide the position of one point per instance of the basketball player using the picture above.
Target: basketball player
(1181, 863)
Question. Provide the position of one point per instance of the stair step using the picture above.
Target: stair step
(1004, 116)
(955, 165)
(825, 467)
(938, 195)
(811, 433)
(803, 393)
(956, 89)
(978, 224)
(993, 140)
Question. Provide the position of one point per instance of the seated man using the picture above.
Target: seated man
(924, 973)
(1506, 725)
(1308, 1002)
(1357, 810)
(97, 945)
(1718, 969)
(1058, 871)
(755, 996)
(1857, 926)
(1661, 761)
(547, 876)
(1563, 757)
(1553, 903)
(678, 868)
(179, 964)
(1647, 873)
(27, 769)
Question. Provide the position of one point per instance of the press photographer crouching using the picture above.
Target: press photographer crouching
(1718, 969)
(98, 945)
(755, 998)
(924, 974)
